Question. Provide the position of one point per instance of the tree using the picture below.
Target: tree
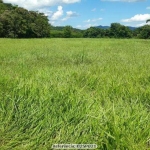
(144, 32)
(119, 31)
(91, 32)
(147, 20)
(38, 25)
(21, 23)
(67, 31)
(6, 24)
(94, 32)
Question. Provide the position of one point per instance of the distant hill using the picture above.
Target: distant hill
(103, 27)
(107, 27)
(60, 28)
(132, 28)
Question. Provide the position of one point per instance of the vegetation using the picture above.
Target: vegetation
(74, 91)
(62, 32)
(16, 22)
(67, 31)
(5, 6)
(116, 30)
(147, 20)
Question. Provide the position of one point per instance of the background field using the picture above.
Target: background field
(74, 91)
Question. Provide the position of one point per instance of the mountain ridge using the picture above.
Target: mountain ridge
(107, 27)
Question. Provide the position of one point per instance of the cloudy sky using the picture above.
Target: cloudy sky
(85, 13)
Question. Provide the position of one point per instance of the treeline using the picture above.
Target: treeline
(66, 32)
(17, 22)
(116, 30)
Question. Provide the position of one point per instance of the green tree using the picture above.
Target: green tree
(67, 31)
(106, 33)
(6, 24)
(119, 31)
(91, 32)
(147, 20)
(1, 29)
(144, 32)
(39, 26)
(94, 32)
(21, 23)
(6, 6)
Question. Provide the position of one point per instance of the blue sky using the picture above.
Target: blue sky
(85, 13)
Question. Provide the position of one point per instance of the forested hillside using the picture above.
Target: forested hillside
(17, 22)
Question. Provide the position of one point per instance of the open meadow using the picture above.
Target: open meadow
(80, 91)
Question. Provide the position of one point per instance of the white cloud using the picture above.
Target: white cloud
(147, 7)
(89, 20)
(90, 25)
(94, 9)
(137, 18)
(102, 9)
(34, 4)
(93, 20)
(86, 26)
(79, 26)
(142, 24)
(125, 0)
(57, 14)
(46, 11)
(136, 24)
(70, 14)
(70, 1)
(52, 22)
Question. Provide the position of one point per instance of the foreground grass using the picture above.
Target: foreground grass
(74, 91)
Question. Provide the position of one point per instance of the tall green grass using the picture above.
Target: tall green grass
(89, 91)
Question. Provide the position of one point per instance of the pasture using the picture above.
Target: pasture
(80, 91)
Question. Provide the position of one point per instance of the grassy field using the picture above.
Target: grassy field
(90, 91)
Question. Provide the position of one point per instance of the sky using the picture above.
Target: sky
(83, 14)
